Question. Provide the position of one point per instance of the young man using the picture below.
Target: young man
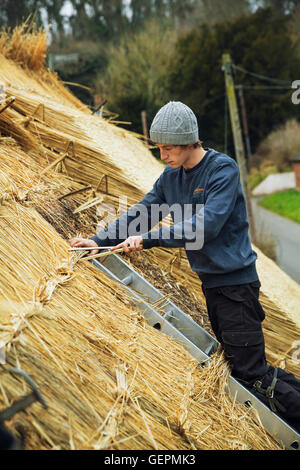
(217, 245)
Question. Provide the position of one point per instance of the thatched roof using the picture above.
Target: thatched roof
(111, 381)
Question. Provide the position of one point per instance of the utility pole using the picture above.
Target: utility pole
(244, 120)
(238, 139)
(145, 125)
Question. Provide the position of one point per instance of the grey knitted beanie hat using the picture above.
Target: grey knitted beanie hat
(174, 124)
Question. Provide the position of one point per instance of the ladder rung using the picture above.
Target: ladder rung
(200, 344)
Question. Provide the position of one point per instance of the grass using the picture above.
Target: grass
(285, 203)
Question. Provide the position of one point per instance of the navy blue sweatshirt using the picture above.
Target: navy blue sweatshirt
(214, 225)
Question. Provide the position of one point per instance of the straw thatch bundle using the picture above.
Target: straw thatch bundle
(26, 47)
(110, 380)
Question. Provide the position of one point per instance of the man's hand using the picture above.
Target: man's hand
(131, 244)
(82, 242)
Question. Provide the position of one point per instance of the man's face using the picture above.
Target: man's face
(175, 155)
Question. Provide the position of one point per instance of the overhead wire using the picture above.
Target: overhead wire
(282, 84)
(261, 77)
(279, 85)
(258, 89)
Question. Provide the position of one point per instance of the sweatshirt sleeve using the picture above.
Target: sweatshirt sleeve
(207, 221)
(136, 221)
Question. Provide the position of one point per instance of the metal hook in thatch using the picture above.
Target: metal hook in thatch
(23, 402)
(70, 151)
(175, 261)
(33, 114)
(103, 178)
(96, 110)
(71, 193)
(61, 158)
(8, 103)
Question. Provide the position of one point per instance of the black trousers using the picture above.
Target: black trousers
(236, 317)
(8, 441)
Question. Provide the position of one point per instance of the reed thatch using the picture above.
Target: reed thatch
(111, 381)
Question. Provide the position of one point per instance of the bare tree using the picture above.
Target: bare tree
(16, 12)
(214, 11)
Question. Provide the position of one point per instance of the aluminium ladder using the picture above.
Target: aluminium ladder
(172, 321)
